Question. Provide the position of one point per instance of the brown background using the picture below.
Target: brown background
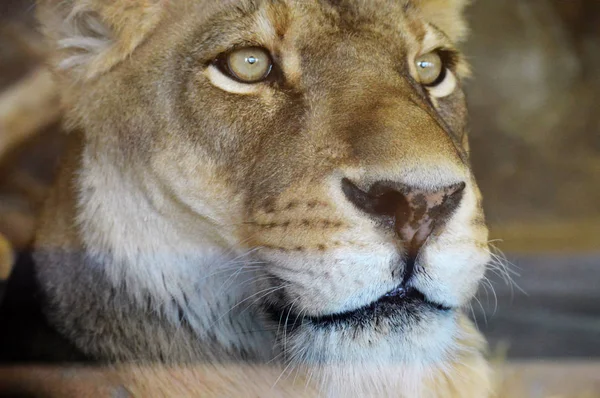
(535, 106)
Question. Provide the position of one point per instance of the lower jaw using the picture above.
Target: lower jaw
(405, 340)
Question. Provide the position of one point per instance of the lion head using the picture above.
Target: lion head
(316, 150)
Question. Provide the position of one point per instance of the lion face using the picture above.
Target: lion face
(344, 175)
(314, 136)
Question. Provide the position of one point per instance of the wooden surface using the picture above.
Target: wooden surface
(564, 237)
(514, 380)
(549, 380)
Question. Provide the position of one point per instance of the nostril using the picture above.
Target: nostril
(357, 196)
(379, 201)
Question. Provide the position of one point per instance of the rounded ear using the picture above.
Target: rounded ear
(447, 15)
(88, 37)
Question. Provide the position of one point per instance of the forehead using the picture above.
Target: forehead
(394, 20)
(396, 16)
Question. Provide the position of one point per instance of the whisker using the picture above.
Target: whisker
(278, 356)
(286, 323)
(231, 277)
(258, 299)
(256, 331)
(292, 360)
(489, 283)
(474, 317)
(231, 268)
(482, 310)
(267, 290)
(281, 375)
(502, 265)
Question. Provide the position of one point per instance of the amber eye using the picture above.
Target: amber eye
(248, 65)
(430, 68)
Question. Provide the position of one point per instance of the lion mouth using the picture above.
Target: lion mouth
(401, 300)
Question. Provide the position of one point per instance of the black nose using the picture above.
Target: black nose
(414, 212)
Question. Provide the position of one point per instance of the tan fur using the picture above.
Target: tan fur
(129, 23)
(446, 15)
(188, 200)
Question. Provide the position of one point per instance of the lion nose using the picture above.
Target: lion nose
(413, 212)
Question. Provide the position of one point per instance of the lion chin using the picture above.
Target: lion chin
(277, 194)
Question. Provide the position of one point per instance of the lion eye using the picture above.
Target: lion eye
(249, 65)
(430, 68)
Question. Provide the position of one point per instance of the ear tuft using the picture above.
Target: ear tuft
(89, 37)
(447, 15)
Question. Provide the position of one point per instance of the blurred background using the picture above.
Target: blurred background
(535, 109)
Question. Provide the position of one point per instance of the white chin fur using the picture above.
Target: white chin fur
(226, 84)
(445, 88)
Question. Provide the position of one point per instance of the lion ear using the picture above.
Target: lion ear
(88, 37)
(447, 15)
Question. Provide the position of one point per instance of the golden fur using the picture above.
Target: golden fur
(189, 203)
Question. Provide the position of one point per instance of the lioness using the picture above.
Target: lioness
(268, 182)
